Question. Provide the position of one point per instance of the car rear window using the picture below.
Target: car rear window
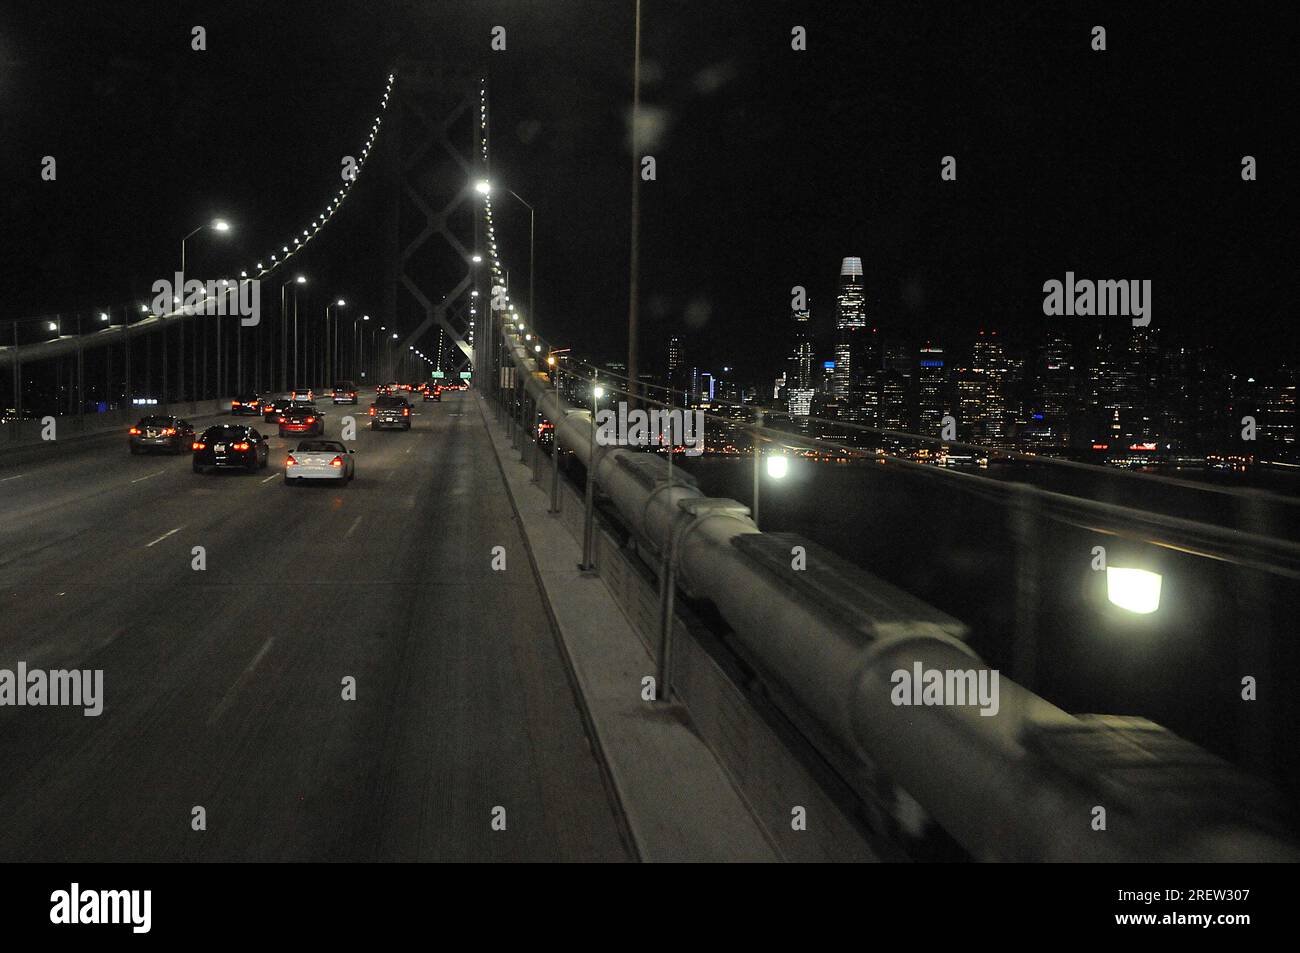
(321, 446)
(387, 401)
(225, 433)
(157, 421)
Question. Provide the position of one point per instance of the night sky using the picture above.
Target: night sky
(772, 164)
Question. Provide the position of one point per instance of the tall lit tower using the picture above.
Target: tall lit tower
(932, 390)
(799, 370)
(850, 326)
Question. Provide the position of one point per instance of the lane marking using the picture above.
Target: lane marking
(19, 477)
(273, 476)
(165, 535)
(352, 529)
(149, 477)
(244, 676)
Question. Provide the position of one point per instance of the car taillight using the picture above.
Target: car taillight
(372, 411)
(406, 411)
(134, 430)
(336, 462)
(291, 462)
(169, 432)
(283, 420)
(311, 420)
(243, 446)
(198, 446)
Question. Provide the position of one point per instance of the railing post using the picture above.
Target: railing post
(667, 608)
(535, 438)
(555, 445)
(18, 386)
(589, 503)
(1256, 597)
(758, 463)
(555, 472)
(81, 380)
(1027, 555)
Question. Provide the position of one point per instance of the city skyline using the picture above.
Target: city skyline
(1089, 383)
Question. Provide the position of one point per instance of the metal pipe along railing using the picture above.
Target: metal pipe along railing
(1024, 784)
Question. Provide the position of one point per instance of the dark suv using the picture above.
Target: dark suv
(389, 412)
(230, 445)
(345, 392)
(161, 433)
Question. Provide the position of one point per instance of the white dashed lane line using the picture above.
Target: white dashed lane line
(172, 532)
(149, 477)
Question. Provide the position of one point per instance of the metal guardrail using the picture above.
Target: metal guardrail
(1024, 784)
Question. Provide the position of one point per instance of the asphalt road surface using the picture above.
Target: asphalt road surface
(223, 688)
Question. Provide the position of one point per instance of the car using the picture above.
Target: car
(390, 411)
(305, 394)
(319, 460)
(230, 446)
(345, 392)
(301, 418)
(245, 405)
(432, 391)
(272, 409)
(160, 433)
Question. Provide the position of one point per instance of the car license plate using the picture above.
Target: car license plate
(219, 448)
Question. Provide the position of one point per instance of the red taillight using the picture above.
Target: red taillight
(243, 446)
(336, 462)
(282, 420)
(198, 446)
(311, 420)
(169, 432)
(372, 411)
(406, 411)
(291, 462)
(134, 430)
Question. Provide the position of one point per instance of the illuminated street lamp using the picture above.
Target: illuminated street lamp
(1137, 590)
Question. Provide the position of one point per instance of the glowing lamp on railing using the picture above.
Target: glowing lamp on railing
(1137, 590)
(777, 466)
(599, 392)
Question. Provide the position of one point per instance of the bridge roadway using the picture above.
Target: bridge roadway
(223, 687)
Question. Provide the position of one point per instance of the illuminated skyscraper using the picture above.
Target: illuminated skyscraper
(851, 328)
(1056, 388)
(799, 372)
(990, 361)
(931, 390)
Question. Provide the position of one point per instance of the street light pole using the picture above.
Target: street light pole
(634, 269)
(217, 225)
